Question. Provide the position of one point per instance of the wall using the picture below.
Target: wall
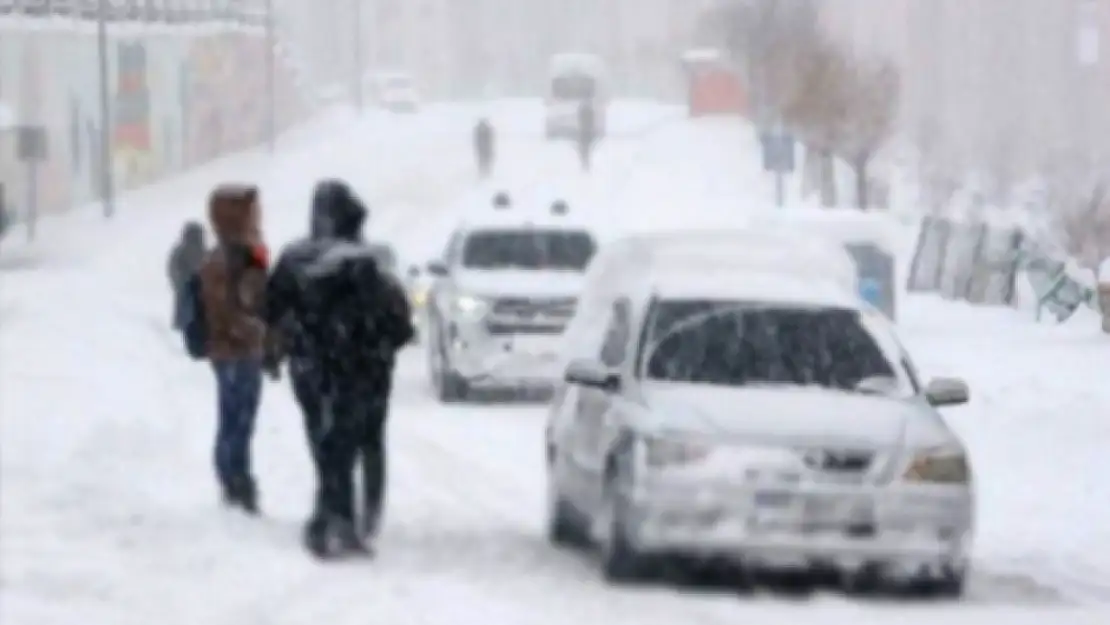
(179, 96)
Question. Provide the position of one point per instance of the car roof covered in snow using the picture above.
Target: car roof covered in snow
(523, 214)
(845, 227)
(761, 287)
(734, 252)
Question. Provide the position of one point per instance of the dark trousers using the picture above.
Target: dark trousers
(238, 392)
(485, 162)
(344, 424)
(585, 152)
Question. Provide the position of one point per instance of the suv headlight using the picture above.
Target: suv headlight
(470, 305)
(939, 467)
(669, 452)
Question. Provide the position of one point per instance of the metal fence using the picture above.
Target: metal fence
(983, 264)
(248, 12)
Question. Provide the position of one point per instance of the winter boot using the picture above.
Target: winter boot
(348, 541)
(315, 537)
(244, 495)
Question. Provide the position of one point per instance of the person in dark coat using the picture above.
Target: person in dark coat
(232, 287)
(184, 262)
(342, 321)
(587, 132)
(484, 147)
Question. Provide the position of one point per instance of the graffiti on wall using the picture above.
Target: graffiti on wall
(134, 158)
(224, 97)
(214, 106)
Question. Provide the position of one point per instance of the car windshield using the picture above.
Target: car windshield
(529, 249)
(573, 87)
(740, 344)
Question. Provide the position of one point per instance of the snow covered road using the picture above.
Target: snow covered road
(110, 514)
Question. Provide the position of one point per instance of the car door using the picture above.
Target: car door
(595, 405)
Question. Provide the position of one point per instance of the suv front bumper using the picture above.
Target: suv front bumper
(485, 359)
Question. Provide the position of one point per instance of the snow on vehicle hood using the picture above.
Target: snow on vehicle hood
(794, 415)
(519, 282)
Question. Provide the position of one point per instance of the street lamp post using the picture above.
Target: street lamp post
(358, 52)
(107, 184)
(271, 95)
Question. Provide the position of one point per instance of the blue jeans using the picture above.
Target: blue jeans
(238, 391)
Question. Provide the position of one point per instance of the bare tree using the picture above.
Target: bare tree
(870, 91)
(814, 102)
(1082, 211)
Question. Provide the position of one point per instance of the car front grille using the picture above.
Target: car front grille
(527, 309)
(500, 328)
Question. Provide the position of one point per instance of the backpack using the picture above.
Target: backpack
(342, 313)
(194, 325)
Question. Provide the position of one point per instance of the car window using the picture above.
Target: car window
(738, 344)
(528, 249)
(614, 348)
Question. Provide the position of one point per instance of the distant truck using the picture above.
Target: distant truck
(575, 79)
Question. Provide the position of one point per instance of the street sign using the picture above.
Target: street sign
(777, 149)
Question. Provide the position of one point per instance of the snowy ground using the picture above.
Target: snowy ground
(109, 511)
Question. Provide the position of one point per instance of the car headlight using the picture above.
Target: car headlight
(470, 305)
(939, 467)
(668, 452)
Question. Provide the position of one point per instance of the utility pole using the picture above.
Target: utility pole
(1087, 56)
(271, 95)
(359, 60)
(107, 184)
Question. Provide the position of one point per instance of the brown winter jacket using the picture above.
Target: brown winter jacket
(233, 276)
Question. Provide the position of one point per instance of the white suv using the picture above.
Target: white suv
(504, 291)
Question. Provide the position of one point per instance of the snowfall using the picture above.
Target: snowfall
(109, 511)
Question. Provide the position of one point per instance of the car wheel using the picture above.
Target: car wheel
(947, 586)
(621, 562)
(449, 386)
(871, 581)
(566, 527)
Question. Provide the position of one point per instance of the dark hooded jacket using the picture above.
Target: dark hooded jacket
(233, 276)
(309, 318)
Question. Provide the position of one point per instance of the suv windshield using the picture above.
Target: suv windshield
(737, 344)
(529, 249)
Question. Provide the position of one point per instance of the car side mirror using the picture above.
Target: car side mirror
(593, 375)
(942, 392)
(437, 268)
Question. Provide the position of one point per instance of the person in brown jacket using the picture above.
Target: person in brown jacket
(232, 289)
